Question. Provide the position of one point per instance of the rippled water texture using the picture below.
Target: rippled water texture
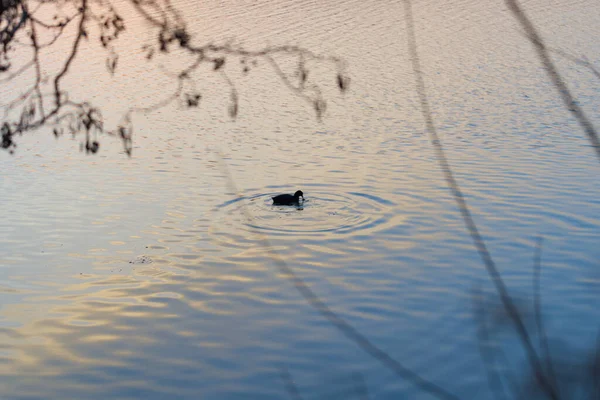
(327, 214)
(161, 276)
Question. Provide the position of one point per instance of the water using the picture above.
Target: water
(144, 277)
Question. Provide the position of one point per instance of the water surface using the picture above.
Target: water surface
(143, 277)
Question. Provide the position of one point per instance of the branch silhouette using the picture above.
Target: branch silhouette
(557, 80)
(582, 61)
(495, 382)
(534, 360)
(545, 348)
(25, 29)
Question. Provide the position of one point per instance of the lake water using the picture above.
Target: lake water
(157, 276)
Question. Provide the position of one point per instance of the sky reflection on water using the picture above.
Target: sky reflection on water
(380, 239)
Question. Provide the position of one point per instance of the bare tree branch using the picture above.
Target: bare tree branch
(555, 77)
(467, 217)
(494, 378)
(290, 385)
(170, 30)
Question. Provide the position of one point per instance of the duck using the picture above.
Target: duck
(288, 199)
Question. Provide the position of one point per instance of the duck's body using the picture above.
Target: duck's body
(288, 199)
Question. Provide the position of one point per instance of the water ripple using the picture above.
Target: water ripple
(323, 213)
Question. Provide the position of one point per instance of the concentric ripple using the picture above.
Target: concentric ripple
(322, 213)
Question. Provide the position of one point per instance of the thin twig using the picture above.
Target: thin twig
(546, 354)
(458, 196)
(72, 54)
(290, 385)
(555, 77)
(38, 69)
(596, 370)
(13, 75)
(494, 379)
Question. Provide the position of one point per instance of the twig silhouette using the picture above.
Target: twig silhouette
(338, 322)
(80, 34)
(21, 28)
(582, 61)
(596, 370)
(467, 217)
(290, 385)
(546, 354)
(494, 379)
(555, 77)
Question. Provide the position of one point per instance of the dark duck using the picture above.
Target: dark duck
(288, 199)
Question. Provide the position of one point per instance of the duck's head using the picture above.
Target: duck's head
(299, 194)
